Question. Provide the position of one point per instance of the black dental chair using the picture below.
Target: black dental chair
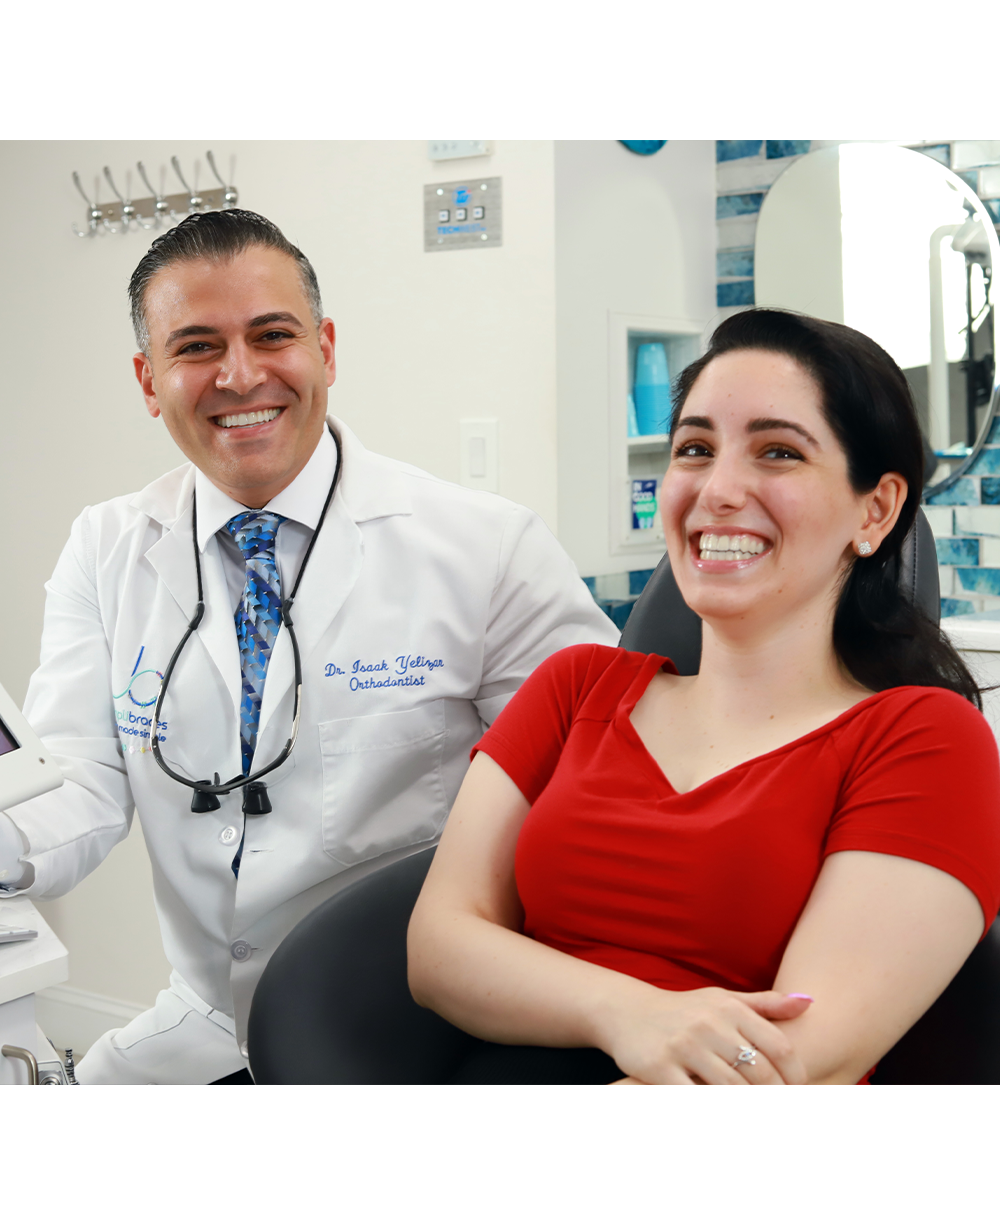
(333, 1006)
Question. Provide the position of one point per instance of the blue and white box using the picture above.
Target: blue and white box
(643, 504)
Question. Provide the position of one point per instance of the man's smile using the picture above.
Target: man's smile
(256, 417)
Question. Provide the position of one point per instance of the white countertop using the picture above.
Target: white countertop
(29, 965)
(979, 632)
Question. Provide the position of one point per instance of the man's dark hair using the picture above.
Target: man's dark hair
(213, 236)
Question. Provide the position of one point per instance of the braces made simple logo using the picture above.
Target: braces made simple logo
(144, 688)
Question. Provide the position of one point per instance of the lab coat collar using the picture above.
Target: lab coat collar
(371, 485)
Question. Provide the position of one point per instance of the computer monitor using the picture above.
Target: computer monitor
(26, 766)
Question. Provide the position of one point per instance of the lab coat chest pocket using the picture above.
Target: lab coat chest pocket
(382, 784)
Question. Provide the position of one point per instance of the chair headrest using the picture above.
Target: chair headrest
(662, 624)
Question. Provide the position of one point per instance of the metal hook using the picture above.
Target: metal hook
(111, 184)
(194, 202)
(161, 208)
(127, 210)
(231, 195)
(79, 188)
(94, 214)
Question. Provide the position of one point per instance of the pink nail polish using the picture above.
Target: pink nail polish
(797, 995)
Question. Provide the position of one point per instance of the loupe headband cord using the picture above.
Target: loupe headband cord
(241, 780)
(286, 605)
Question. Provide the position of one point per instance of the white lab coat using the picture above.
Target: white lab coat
(423, 608)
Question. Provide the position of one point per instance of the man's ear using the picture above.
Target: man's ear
(144, 373)
(327, 344)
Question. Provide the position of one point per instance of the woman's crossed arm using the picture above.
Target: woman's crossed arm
(879, 939)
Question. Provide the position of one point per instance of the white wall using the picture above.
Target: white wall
(423, 340)
(635, 236)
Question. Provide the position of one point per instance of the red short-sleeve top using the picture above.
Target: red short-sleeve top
(705, 888)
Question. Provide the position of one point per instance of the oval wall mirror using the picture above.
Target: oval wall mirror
(892, 243)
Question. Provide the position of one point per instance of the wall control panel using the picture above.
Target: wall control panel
(445, 150)
(464, 215)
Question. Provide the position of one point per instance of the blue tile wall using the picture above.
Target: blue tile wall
(940, 153)
(737, 262)
(987, 462)
(740, 204)
(957, 551)
(994, 434)
(971, 177)
(734, 293)
(993, 208)
(637, 580)
(964, 492)
(990, 489)
(730, 150)
(617, 610)
(981, 579)
(956, 608)
(787, 148)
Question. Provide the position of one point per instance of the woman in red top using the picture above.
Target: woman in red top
(767, 872)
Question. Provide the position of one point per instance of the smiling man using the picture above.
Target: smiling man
(419, 608)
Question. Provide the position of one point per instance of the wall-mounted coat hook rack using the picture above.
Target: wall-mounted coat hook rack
(156, 210)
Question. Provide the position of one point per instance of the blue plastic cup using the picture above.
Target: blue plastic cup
(652, 389)
(633, 420)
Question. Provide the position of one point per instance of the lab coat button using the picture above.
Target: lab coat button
(229, 835)
(240, 950)
(244, 1049)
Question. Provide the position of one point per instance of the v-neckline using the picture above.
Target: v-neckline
(659, 663)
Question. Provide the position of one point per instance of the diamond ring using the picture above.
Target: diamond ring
(747, 1055)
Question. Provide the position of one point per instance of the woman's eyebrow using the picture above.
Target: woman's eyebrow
(760, 424)
(699, 423)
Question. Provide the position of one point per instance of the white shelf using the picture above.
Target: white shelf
(29, 965)
(649, 442)
(645, 456)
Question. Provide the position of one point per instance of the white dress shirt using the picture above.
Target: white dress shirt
(301, 503)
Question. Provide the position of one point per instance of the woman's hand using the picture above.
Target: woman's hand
(694, 1037)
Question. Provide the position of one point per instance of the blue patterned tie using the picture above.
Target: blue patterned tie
(258, 620)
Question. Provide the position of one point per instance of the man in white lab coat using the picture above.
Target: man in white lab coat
(422, 608)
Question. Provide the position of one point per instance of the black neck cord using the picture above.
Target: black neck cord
(204, 791)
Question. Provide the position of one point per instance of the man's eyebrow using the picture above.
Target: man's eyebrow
(193, 329)
(275, 317)
(761, 424)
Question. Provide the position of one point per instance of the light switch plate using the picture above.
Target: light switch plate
(479, 466)
(447, 234)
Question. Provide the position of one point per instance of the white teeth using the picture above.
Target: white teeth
(254, 418)
(729, 548)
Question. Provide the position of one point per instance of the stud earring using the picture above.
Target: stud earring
(864, 548)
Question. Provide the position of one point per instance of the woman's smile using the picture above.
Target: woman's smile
(720, 549)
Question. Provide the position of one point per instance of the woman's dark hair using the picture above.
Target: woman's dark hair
(881, 638)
